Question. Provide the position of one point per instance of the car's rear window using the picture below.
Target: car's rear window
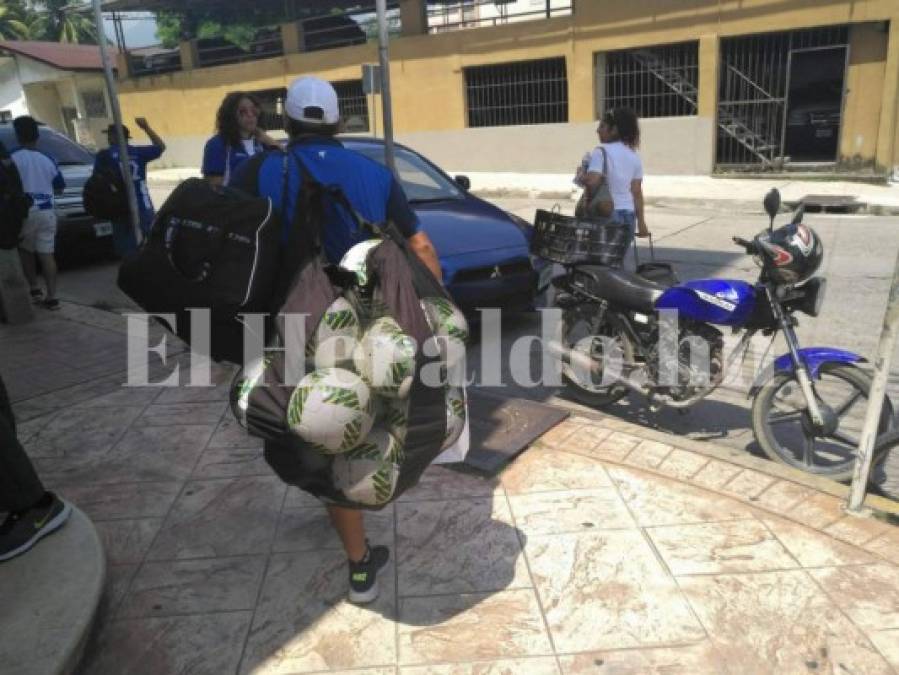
(60, 148)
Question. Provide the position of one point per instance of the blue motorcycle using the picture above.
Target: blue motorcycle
(619, 335)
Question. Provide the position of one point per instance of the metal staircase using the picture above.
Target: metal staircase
(748, 132)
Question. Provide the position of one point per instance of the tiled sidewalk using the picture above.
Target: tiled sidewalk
(601, 549)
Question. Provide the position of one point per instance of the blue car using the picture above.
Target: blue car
(483, 250)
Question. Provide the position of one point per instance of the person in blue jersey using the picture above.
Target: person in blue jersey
(312, 120)
(123, 236)
(238, 137)
(41, 180)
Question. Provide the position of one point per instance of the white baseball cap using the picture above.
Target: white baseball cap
(312, 92)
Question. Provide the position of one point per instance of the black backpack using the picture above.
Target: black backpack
(214, 248)
(105, 196)
(14, 204)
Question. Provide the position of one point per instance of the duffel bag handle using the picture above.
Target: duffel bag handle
(170, 237)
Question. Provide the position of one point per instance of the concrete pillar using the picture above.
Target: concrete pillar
(414, 17)
(123, 65)
(292, 38)
(707, 104)
(190, 57)
(886, 157)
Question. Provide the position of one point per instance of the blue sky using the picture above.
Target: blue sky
(138, 33)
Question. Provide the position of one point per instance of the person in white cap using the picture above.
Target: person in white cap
(312, 121)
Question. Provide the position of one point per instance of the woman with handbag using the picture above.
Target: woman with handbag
(616, 169)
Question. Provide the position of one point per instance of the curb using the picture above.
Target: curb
(741, 459)
(54, 591)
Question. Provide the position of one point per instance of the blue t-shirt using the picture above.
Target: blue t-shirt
(139, 156)
(221, 159)
(368, 185)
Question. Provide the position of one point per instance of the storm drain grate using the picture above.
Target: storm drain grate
(829, 204)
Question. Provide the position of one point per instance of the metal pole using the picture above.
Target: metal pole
(386, 103)
(117, 119)
(875, 401)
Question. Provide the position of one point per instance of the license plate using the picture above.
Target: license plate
(823, 133)
(102, 229)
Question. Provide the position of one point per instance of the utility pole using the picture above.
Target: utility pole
(386, 103)
(875, 400)
(117, 119)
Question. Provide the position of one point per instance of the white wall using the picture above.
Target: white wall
(12, 96)
(670, 146)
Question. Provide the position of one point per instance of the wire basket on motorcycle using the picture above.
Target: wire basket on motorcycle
(575, 241)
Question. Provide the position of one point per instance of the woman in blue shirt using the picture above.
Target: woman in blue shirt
(238, 137)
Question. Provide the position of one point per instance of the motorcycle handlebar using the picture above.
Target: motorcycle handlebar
(748, 245)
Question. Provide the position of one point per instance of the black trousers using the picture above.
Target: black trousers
(20, 488)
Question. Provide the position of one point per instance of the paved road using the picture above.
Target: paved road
(860, 253)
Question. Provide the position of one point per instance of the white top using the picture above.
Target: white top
(249, 145)
(624, 166)
(39, 175)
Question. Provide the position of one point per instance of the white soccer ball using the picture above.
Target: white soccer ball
(245, 380)
(455, 415)
(393, 415)
(385, 358)
(336, 336)
(368, 475)
(356, 260)
(449, 327)
(331, 409)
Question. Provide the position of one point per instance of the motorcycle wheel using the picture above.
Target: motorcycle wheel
(783, 427)
(579, 323)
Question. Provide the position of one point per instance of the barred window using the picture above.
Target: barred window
(353, 105)
(94, 104)
(527, 92)
(653, 81)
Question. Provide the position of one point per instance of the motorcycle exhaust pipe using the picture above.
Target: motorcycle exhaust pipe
(580, 360)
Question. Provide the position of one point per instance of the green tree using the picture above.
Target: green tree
(14, 21)
(57, 21)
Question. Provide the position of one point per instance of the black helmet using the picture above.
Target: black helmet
(791, 254)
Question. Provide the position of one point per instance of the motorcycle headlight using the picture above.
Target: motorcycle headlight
(813, 296)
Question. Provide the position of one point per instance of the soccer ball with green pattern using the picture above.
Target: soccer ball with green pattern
(336, 336)
(449, 327)
(393, 415)
(455, 415)
(242, 385)
(331, 409)
(356, 260)
(368, 475)
(385, 358)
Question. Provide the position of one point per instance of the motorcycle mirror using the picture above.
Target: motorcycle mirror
(800, 212)
(772, 205)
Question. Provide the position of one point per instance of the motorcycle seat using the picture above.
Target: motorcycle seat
(618, 286)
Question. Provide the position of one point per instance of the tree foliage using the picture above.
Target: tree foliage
(46, 20)
(235, 24)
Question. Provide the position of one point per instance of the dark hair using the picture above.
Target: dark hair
(26, 129)
(226, 123)
(626, 124)
(296, 128)
(111, 130)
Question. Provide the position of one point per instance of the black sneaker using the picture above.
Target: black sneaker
(364, 575)
(20, 531)
(51, 304)
(37, 296)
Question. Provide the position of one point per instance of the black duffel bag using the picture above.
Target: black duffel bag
(213, 248)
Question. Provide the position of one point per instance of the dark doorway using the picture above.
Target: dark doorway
(815, 104)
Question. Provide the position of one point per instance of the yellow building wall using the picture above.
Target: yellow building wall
(427, 71)
(864, 87)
